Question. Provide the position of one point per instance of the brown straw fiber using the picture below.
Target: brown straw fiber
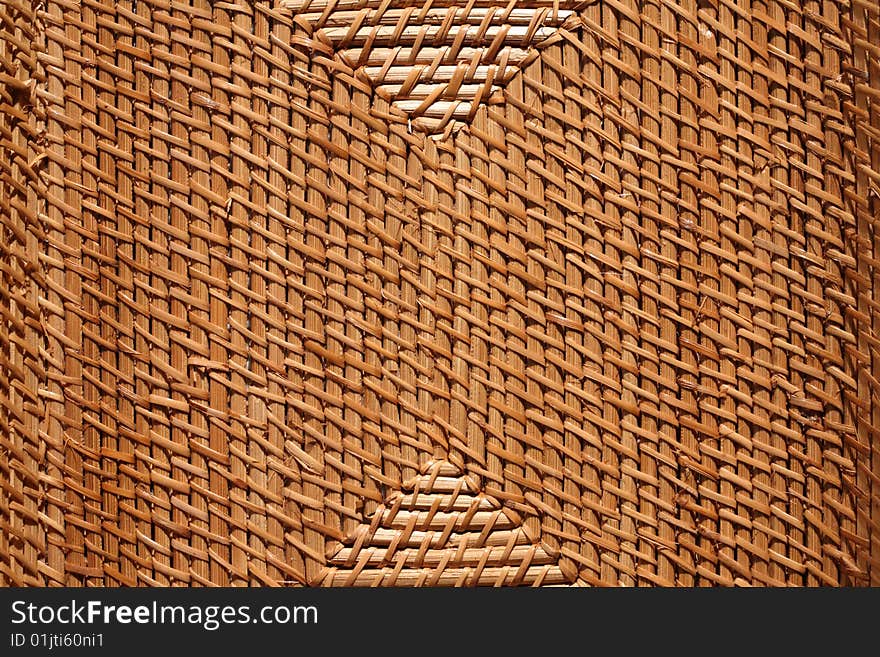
(377, 293)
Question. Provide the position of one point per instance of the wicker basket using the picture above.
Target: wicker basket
(365, 292)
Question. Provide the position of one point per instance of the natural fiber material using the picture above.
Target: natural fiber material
(441, 531)
(477, 293)
(438, 62)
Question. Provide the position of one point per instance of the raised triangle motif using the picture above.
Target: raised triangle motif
(438, 62)
(440, 530)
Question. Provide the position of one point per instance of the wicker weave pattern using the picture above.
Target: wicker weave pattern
(243, 303)
(439, 62)
(441, 531)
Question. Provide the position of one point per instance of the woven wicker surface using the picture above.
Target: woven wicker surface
(437, 62)
(441, 531)
(479, 293)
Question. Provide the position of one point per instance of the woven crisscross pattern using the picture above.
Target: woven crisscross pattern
(252, 287)
(441, 531)
(437, 62)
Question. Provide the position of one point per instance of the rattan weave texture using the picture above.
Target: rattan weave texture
(466, 293)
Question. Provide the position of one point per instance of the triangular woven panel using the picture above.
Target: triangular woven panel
(353, 292)
(441, 531)
(437, 62)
